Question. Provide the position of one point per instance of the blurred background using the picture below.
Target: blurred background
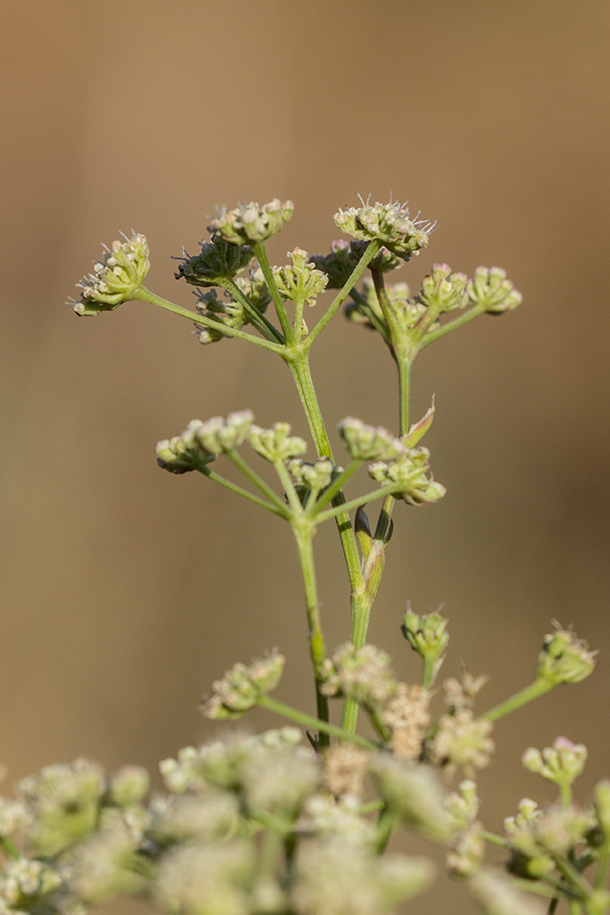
(127, 590)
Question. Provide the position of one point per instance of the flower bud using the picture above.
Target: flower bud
(427, 635)
(388, 223)
(241, 687)
(463, 805)
(443, 289)
(369, 443)
(128, 786)
(409, 473)
(467, 852)
(490, 289)
(217, 264)
(116, 278)
(250, 223)
(219, 436)
(301, 283)
(313, 477)
(276, 444)
(183, 453)
(561, 763)
(564, 658)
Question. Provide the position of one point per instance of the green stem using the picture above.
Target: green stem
(259, 320)
(307, 721)
(385, 824)
(9, 848)
(379, 326)
(492, 839)
(602, 867)
(404, 390)
(145, 295)
(261, 254)
(451, 325)
(535, 689)
(573, 876)
(257, 481)
(354, 503)
(276, 509)
(429, 673)
(298, 363)
(317, 650)
(337, 302)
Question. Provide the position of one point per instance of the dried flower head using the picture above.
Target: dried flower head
(216, 265)
(250, 223)
(388, 223)
(564, 658)
(116, 278)
(241, 687)
(344, 769)
(362, 674)
(462, 740)
(407, 715)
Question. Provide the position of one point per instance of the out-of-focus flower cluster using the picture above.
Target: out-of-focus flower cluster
(74, 837)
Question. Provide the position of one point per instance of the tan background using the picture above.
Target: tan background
(126, 590)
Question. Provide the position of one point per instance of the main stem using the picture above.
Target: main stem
(317, 650)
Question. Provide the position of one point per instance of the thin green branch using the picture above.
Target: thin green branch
(145, 295)
(535, 689)
(260, 321)
(355, 503)
(307, 721)
(261, 254)
(212, 475)
(444, 329)
(257, 481)
(337, 302)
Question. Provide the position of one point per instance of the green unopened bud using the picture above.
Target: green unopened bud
(184, 452)
(313, 477)
(362, 674)
(602, 806)
(276, 443)
(217, 264)
(369, 443)
(427, 634)
(388, 223)
(561, 763)
(219, 435)
(564, 658)
(301, 283)
(115, 279)
(250, 222)
(444, 290)
(467, 852)
(463, 805)
(128, 785)
(490, 289)
(241, 687)
(408, 475)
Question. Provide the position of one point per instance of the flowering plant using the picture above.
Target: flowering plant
(280, 823)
